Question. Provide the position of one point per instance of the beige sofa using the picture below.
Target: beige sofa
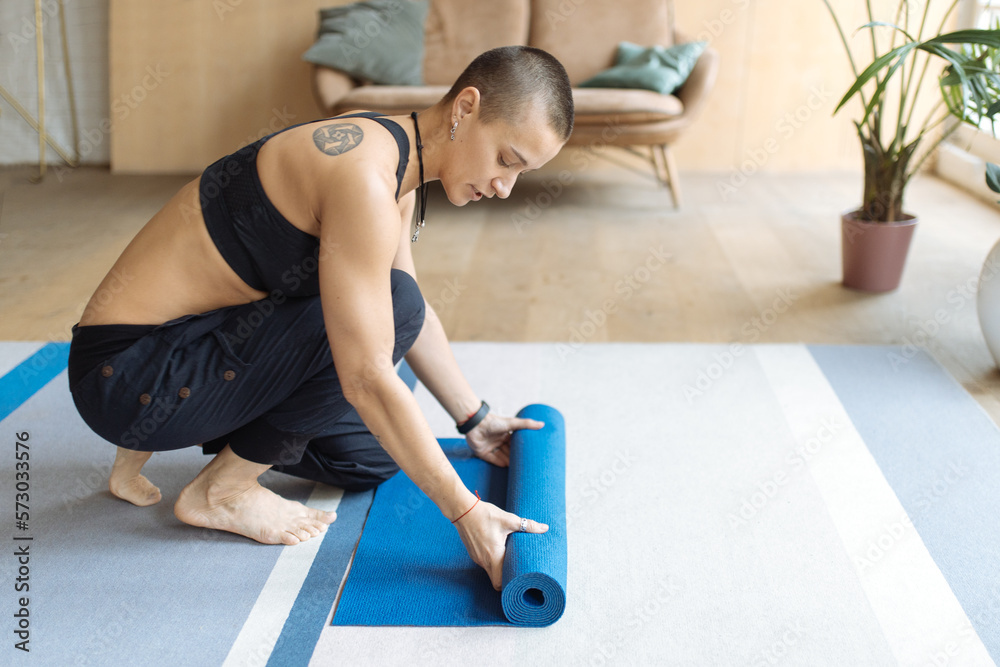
(583, 35)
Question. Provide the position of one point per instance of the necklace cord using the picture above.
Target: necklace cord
(422, 188)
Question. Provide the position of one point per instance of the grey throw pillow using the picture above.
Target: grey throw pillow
(381, 41)
(656, 68)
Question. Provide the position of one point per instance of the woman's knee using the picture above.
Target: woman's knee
(407, 308)
(367, 481)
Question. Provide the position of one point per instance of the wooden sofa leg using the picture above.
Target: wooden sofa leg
(659, 171)
(671, 180)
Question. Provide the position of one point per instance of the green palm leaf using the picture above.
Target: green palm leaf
(993, 177)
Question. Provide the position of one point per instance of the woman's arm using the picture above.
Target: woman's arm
(359, 236)
(435, 366)
(358, 242)
(430, 356)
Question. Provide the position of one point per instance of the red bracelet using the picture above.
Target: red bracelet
(473, 505)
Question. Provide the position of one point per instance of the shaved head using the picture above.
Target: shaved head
(510, 79)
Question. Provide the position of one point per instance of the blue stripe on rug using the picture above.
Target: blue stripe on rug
(30, 375)
(311, 610)
(944, 471)
(308, 616)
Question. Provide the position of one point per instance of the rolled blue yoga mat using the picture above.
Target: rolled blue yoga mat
(534, 568)
(411, 567)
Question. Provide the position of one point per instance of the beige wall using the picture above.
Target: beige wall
(195, 80)
(783, 71)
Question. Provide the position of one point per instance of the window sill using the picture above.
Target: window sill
(962, 160)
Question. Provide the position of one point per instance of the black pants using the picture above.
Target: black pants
(258, 377)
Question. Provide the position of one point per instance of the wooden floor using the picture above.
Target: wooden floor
(598, 255)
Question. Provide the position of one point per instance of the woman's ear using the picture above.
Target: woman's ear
(466, 102)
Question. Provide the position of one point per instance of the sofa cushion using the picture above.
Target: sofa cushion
(662, 70)
(597, 106)
(457, 31)
(377, 40)
(391, 99)
(584, 34)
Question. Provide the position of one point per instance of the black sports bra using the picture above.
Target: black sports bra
(267, 251)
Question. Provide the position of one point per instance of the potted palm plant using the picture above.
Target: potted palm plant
(896, 140)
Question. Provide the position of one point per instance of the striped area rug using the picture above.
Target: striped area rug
(763, 505)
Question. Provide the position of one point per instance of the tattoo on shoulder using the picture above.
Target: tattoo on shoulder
(338, 138)
(378, 439)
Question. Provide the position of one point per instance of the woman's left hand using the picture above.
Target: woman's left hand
(490, 440)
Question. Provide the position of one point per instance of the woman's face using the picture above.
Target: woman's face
(487, 158)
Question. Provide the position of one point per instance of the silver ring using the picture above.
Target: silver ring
(524, 525)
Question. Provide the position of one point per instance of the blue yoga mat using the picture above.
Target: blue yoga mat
(411, 567)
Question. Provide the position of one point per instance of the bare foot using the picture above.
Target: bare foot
(127, 483)
(226, 496)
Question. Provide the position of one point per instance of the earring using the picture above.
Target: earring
(453, 128)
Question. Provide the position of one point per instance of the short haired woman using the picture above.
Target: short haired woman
(261, 312)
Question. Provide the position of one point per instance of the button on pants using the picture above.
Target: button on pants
(259, 377)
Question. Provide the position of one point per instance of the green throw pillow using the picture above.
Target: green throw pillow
(656, 68)
(381, 41)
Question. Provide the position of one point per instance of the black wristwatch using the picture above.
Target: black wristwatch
(473, 421)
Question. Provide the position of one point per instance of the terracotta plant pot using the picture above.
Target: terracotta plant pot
(874, 253)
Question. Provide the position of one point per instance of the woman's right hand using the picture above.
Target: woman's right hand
(484, 530)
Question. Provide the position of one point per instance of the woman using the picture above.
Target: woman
(261, 311)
